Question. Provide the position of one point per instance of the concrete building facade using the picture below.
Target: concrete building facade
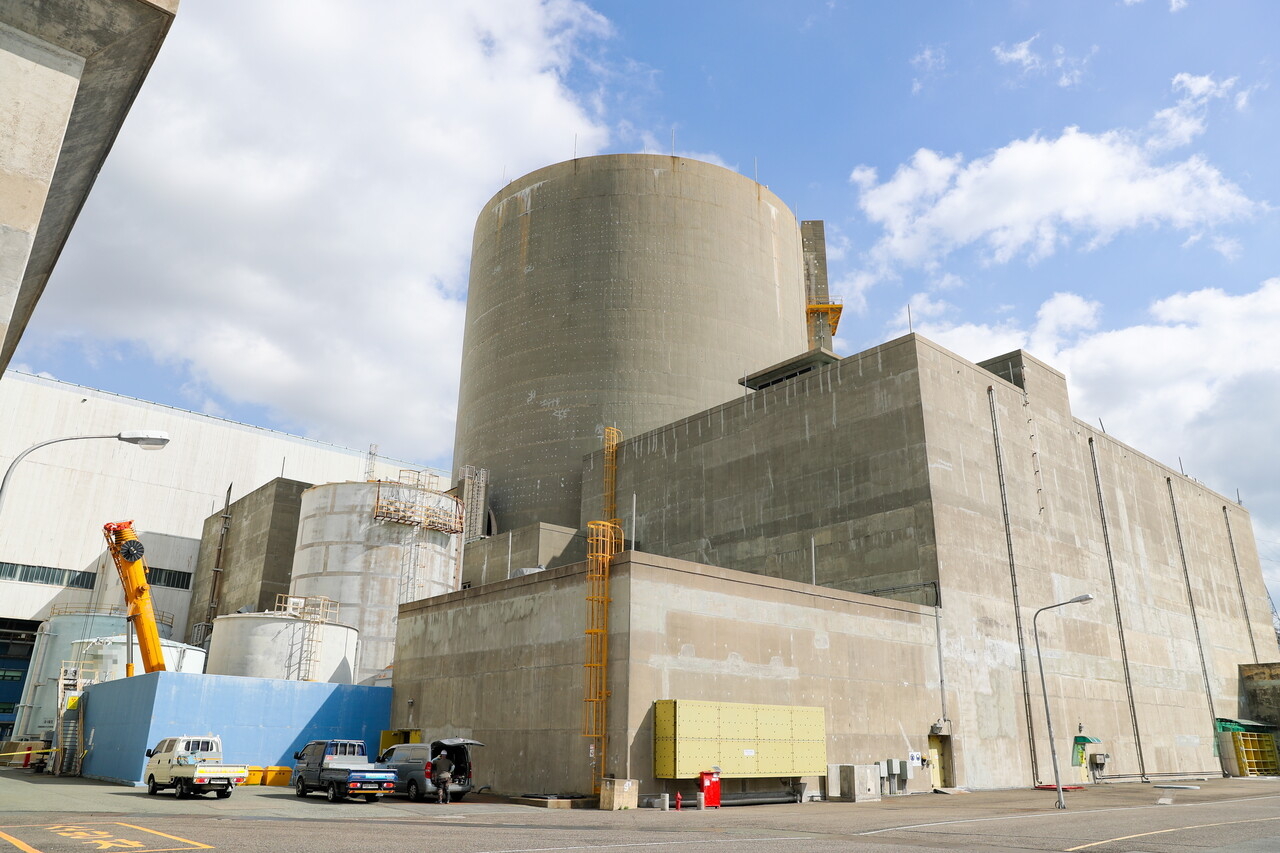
(876, 535)
(69, 71)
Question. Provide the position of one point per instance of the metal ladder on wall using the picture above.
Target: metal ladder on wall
(314, 611)
(72, 679)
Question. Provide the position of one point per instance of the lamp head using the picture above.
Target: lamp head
(147, 439)
(1082, 599)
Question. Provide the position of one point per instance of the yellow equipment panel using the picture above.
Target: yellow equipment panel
(691, 737)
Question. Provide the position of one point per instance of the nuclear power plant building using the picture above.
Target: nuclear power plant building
(877, 536)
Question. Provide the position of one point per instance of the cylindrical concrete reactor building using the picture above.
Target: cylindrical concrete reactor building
(283, 646)
(364, 546)
(629, 290)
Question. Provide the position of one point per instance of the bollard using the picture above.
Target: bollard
(26, 759)
(666, 803)
(702, 802)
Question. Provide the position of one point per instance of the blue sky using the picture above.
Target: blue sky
(282, 232)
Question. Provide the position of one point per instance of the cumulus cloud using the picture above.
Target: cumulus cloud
(1034, 196)
(291, 213)
(1176, 126)
(1020, 55)
(1070, 69)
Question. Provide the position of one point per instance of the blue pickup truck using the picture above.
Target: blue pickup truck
(341, 769)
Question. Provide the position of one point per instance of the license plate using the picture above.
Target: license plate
(217, 781)
(369, 786)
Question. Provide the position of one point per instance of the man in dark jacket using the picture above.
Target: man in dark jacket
(441, 776)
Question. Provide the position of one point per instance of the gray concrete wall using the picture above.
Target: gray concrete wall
(69, 71)
(547, 545)
(257, 558)
(1150, 688)
(836, 457)
(1262, 692)
(503, 664)
(627, 290)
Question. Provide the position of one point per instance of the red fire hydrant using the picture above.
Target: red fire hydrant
(678, 799)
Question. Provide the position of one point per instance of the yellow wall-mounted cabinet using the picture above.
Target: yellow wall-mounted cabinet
(691, 737)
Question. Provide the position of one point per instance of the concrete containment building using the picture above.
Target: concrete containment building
(282, 645)
(873, 535)
(628, 291)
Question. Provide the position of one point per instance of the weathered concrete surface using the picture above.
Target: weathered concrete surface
(503, 663)
(888, 463)
(69, 71)
(257, 556)
(1261, 683)
(496, 557)
(627, 290)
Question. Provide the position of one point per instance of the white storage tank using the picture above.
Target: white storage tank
(284, 646)
(55, 645)
(370, 547)
(109, 656)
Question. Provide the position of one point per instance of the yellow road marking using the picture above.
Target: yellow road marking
(25, 848)
(1175, 829)
(196, 844)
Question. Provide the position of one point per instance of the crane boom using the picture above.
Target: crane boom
(126, 550)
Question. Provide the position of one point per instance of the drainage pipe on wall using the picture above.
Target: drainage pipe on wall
(1013, 581)
(1244, 604)
(1191, 602)
(1115, 600)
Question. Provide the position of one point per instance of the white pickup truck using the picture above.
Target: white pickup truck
(191, 765)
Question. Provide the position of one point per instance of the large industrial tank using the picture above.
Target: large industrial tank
(284, 646)
(629, 290)
(369, 547)
(109, 656)
(56, 645)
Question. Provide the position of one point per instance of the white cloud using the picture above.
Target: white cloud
(1176, 126)
(1071, 69)
(1020, 55)
(1036, 195)
(929, 62)
(1177, 5)
(291, 214)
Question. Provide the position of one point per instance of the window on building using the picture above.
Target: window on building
(168, 577)
(7, 707)
(47, 575)
(12, 674)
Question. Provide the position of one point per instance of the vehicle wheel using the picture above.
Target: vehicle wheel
(152, 787)
(332, 794)
(300, 787)
(372, 798)
(180, 789)
(223, 793)
(457, 798)
(415, 793)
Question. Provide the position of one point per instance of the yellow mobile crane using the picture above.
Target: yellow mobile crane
(126, 550)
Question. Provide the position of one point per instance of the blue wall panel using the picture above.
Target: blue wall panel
(262, 721)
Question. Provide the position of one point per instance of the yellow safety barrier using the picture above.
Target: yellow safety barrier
(277, 776)
(255, 776)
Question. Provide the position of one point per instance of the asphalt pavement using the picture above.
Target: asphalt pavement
(42, 814)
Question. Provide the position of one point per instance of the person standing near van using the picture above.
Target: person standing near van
(441, 776)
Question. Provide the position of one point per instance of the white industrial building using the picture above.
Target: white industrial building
(53, 557)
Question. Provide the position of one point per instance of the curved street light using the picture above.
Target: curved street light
(1048, 718)
(147, 439)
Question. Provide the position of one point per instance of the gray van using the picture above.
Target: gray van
(410, 760)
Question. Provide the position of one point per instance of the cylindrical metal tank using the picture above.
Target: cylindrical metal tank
(359, 546)
(109, 656)
(629, 290)
(55, 645)
(284, 646)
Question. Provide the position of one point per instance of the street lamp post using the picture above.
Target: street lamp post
(1048, 718)
(147, 439)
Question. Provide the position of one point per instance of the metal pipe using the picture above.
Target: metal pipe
(1191, 603)
(1013, 582)
(1244, 604)
(1115, 600)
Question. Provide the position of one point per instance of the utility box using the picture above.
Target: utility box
(744, 741)
(709, 785)
(860, 783)
(831, 787)
(619, 794)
